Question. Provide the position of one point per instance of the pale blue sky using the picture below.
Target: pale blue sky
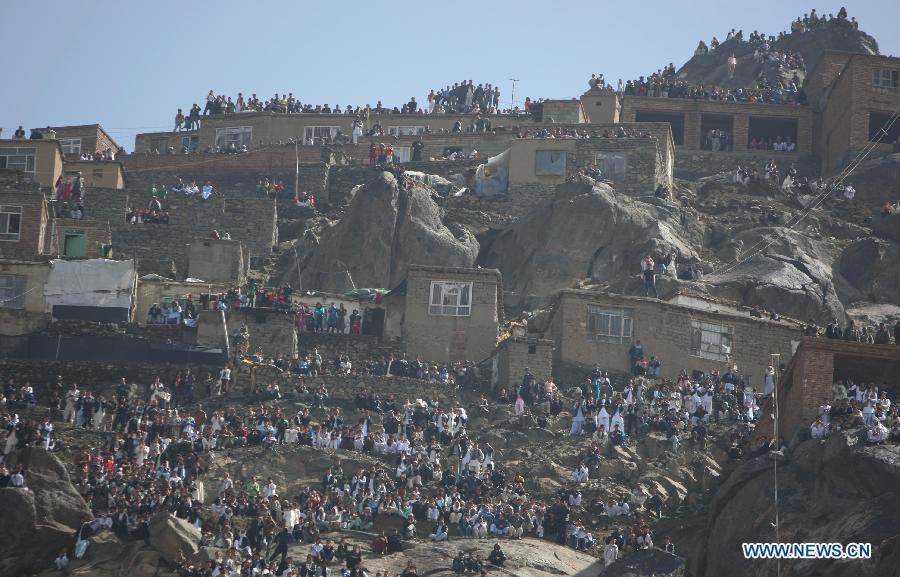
(130, 65)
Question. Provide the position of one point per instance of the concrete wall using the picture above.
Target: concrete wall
(451, 338)
(217, 261)
(601, 106)
(664, 330)
(514, 355)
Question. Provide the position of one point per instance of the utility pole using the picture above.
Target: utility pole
(512, 94)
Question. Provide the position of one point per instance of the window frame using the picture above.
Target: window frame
(622, 336)
(28, 156)
(12, 291)
(538, 171)
(191, 142)
(886, 78)
(8, 211)
(438, 307)
(309, 132)
(406, 130)
(600, 161)
(226, 135)
(70, 145)
(705, 345)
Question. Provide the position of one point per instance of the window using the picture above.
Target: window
(319, 134)
(612, 166)
(886, 78)
(607, 325)
(12, 291)
(10, 223)
(532, 349)
(711, 341)
(675, 120)
(406, 130)
(21, 159)
(452, 299)
(550, 163)
(190, 142)
(70, 145)
(402, 153)
(882, 129)
(237, 135)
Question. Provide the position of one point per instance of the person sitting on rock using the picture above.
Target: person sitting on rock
(497, 557)
(440, 533)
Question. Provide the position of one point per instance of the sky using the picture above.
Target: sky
(130, 65)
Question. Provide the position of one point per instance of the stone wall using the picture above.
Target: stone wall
(271, 331)
(357, 347)
(644, 166)
(250, 221)
(694, 164)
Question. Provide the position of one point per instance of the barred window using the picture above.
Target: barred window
(452, 299)
(711, 341)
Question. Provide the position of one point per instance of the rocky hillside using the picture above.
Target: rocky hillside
(712, 69)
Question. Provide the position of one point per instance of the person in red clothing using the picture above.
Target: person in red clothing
(373, 154)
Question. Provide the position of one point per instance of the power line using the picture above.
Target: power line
(818, 200)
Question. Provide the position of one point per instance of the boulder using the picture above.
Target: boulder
(385, 229)
(55, 498)
(871, 266)
(887, 226)
(780, 270)
(584, 232)
(169, 535)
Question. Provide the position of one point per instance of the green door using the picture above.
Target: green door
(74, 243)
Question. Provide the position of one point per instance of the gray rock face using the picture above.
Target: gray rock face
(43, 518)
(887, 227)
(646, 563)
(169, 535)
(585, 232)
(837, 491)
(385, 229)
(791, 276)
(871, 266)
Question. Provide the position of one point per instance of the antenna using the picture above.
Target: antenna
(512, 95)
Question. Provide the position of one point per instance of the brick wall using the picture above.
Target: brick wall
(33, 220)
(357, 347)
(644, 164)
(95, 233)
(665, 331)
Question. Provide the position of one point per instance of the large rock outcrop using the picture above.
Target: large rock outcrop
(170, 536)
(837, 491)
(43, 518)
(871, 268)
(780, 270)
(385, 229)
(585, 232)
(712, 69)
(887, 227)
